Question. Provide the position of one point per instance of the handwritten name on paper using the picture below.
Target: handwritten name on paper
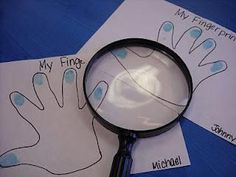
(166, 163)
(208, 26)
(219, 130)
(45, 65)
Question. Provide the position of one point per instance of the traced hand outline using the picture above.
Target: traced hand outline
(186, 46)
(192, 54)
(195, 55)
(61, 152)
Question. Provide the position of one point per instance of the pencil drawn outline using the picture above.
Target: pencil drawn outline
(192, 48)
(37, 132)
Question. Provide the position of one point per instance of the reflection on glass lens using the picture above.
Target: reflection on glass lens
(144, 89)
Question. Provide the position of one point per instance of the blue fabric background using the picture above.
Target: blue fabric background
(35, 29)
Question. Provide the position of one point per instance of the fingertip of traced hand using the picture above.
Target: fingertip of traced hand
(9, 160)
(120, 53)
(217, 66)
(209, 43)
(100, 90)
(69, 76)
(195, 32)
(98, 93)
(38, 79)
(167, 26)
(17, 99)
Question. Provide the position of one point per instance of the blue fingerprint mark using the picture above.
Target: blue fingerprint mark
(208, 44)
(168, 27)
(217, 66)
(19, 100)
(195, 33)
(38, 79)
(69, 76)
(98, 93)
(120, 53)
(9, 160)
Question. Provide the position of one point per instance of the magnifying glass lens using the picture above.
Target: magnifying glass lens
(142, 88)
(136, 88)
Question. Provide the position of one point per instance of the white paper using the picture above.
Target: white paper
(44, 132)
(207, 48)
(212, 103)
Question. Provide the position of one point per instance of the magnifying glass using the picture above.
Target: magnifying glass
(145, 88)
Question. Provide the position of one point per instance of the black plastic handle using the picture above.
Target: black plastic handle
(122, 161)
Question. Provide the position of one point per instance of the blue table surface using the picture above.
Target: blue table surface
(35, 29)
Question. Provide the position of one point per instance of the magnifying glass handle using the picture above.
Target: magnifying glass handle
(122, 161)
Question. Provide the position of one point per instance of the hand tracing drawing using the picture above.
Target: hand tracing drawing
(65, 126)
(58, 110)
(50, 108)
(194, 55)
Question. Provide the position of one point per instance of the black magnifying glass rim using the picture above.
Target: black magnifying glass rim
(138, 42)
